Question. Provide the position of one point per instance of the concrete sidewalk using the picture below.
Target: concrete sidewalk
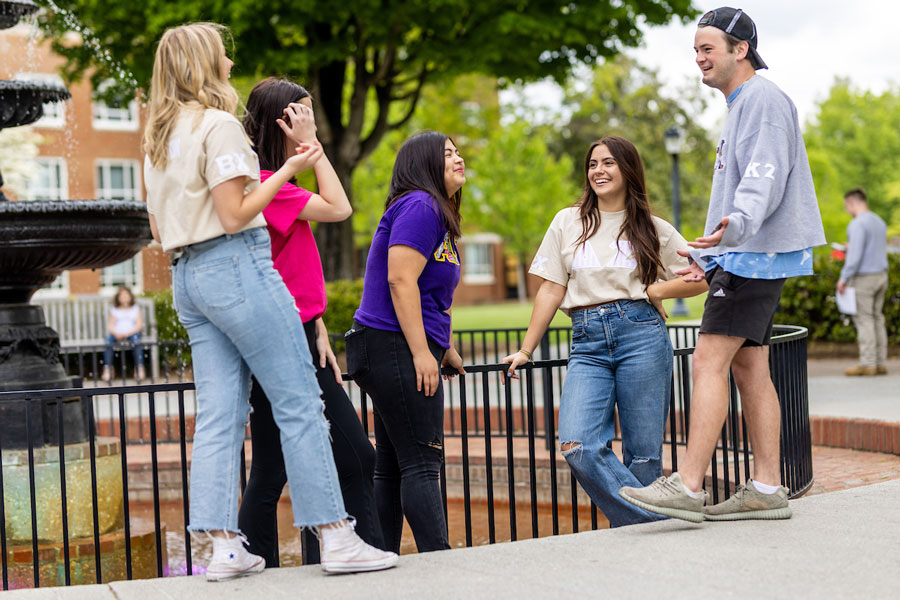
(833, 394)
(837, 545)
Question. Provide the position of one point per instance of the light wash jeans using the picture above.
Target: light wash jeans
(621, 358)
(241, 318)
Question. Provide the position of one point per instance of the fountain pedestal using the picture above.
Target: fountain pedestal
(38, 241)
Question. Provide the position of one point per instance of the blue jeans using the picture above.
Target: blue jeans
(621, 358)
(134, 340)
(240, 317)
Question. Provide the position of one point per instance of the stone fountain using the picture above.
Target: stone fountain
(38, 241)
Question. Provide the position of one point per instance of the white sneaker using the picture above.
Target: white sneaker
(344, 552)
(230, 559)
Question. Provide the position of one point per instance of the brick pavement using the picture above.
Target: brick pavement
(834, 468)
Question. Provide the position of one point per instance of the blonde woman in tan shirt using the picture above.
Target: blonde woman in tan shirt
(205, 199)
(608, 263)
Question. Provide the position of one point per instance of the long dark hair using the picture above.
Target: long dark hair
(420, 166)
(266, 103)
(638, 226)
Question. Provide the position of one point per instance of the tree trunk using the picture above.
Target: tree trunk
(335, 240)
(521, 288)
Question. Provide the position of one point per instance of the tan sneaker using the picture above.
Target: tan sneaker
(861, 371)
(749, 503)
(881, 370)
(667, 496)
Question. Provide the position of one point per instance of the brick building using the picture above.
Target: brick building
(89, 150)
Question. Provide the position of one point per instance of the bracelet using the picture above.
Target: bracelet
(526, 353)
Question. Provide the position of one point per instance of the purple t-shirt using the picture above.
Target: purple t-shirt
(414, 220)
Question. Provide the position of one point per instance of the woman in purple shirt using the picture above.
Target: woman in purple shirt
(401, 335)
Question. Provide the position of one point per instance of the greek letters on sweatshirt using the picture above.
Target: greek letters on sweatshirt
(761, 178)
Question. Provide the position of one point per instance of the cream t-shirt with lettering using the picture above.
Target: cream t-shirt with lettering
(600, 270)
(206, 147)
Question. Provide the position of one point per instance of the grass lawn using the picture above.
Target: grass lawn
(514, 314)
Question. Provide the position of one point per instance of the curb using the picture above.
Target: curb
(855, 434)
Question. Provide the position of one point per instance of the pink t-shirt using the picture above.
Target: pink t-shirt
(294, 249)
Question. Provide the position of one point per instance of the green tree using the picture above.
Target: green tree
(623, 98)
(366, 62)
(518, 186)
(854, 141)
(466, 108)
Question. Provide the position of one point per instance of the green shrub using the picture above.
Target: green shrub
(343, 300)
(810, 302)
(168, 327)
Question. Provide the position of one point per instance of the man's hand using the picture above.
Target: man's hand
(712, 239)
(841, 287)
(693, 273)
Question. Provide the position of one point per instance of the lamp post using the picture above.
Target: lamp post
(675, 138)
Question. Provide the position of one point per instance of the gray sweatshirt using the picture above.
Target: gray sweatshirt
(867, 246)
(762, 181)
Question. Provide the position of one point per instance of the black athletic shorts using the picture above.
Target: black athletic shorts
(740, 307)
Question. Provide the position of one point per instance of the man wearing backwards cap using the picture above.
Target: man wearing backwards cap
(762, 223)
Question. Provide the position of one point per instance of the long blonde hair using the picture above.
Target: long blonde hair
(187, 69)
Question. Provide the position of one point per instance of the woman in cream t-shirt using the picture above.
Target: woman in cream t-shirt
(608, 263)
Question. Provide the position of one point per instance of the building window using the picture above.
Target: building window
(117, 180)
(127, 273)
(59, 288)
(478, 260)
(49, 180)
(115, 118)
(54, 112)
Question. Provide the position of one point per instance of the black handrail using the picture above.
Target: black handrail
(482, 413)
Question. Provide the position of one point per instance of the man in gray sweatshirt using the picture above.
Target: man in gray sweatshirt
(866, 270)
(762, 224)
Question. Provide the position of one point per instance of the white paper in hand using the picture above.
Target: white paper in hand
(846, 302)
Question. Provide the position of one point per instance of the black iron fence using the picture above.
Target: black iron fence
(115, 506)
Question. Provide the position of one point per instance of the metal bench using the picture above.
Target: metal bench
(81, 321)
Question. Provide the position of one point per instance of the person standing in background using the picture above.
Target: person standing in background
(866, 270)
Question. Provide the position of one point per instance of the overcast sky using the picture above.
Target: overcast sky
(806, 44)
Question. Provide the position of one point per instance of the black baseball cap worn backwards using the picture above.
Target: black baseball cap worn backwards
(736, 22)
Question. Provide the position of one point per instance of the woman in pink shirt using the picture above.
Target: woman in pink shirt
(278, 118)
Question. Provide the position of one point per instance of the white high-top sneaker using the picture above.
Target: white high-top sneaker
(344, 552)
(230, 559)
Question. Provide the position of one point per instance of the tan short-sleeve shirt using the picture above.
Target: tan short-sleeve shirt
(204, 150)
(600, 270)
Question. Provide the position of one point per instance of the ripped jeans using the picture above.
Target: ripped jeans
(409, 436)
(621, 359)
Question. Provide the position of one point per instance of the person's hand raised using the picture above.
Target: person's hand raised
(298, 123)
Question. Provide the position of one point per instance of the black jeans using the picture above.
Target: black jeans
(409, 435)
(354, 458)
